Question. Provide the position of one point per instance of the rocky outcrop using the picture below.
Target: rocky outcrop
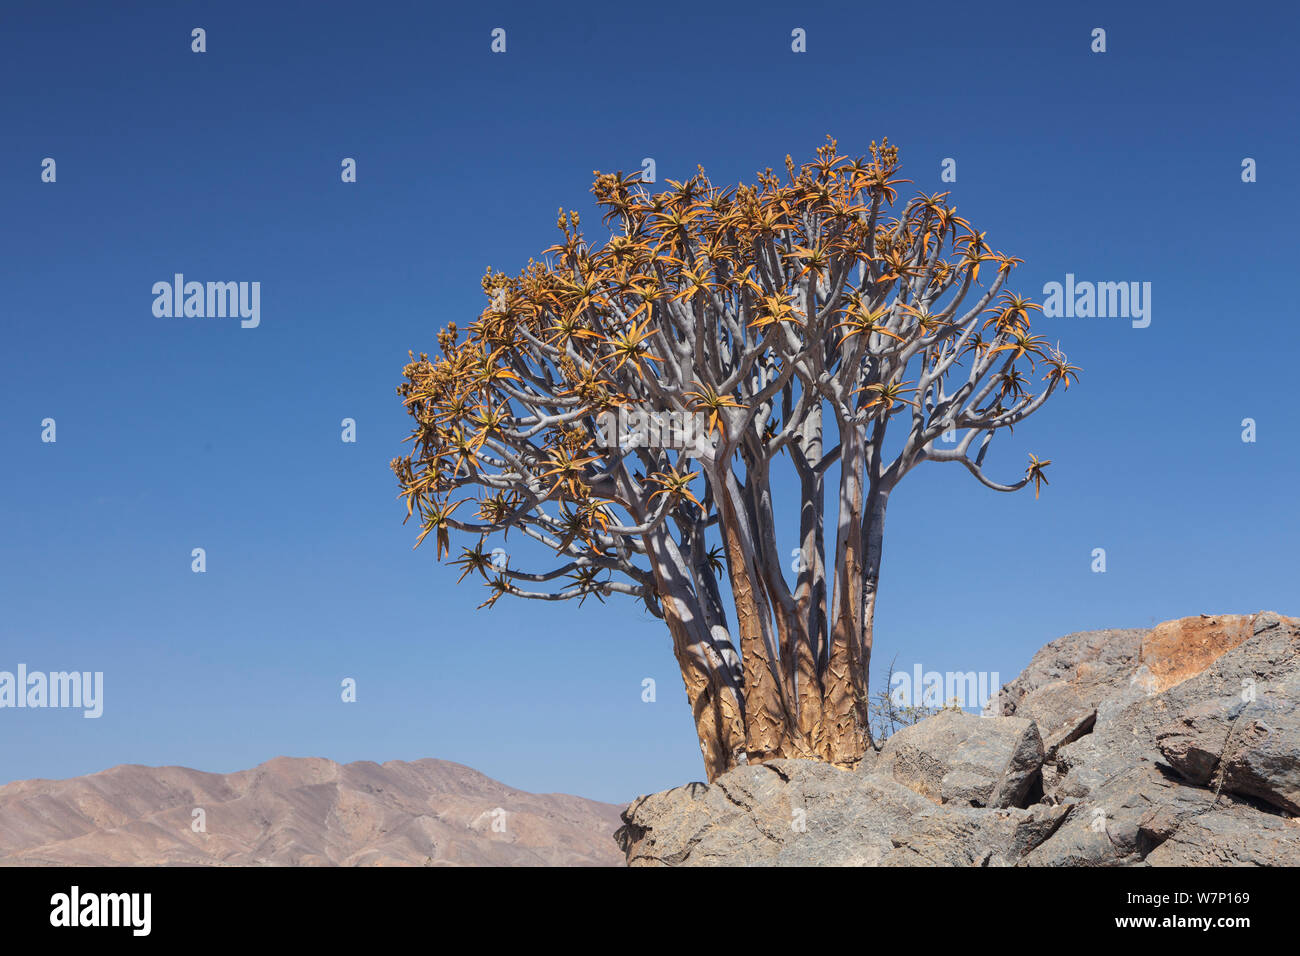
(807, 813)
(785, 812)
(1178, 746)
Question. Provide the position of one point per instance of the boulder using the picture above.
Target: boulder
(955, 757)
(1247, 745)
(963, 836)
(780, 813)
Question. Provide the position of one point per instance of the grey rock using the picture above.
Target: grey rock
(964, 836)
(806, 813)
(781, 813)
(1122, 820)
(1068, 678)
(1235, 836)
(1246, 747)
(954, 757)
(1089, 758)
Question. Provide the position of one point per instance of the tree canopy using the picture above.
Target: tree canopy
(798, 321)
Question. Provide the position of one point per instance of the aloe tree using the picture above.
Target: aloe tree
(802, 319)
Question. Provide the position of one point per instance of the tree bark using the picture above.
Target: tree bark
(810, 586)
(765, 711)
(715, 707)
(844, 741)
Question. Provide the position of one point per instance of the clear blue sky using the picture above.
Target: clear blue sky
(183, 433)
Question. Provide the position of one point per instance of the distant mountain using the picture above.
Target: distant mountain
(300, 812)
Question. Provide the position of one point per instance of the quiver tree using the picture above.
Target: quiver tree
(798, 320)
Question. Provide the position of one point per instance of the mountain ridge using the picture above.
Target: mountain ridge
(300, 811)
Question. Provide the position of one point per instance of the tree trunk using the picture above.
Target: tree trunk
(715, 707)
(810, 588)
(874, 538)
(844, 740)
(765, 715)
(800, 688)
(716, 713)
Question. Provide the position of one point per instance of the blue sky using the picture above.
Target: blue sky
(182, 433)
